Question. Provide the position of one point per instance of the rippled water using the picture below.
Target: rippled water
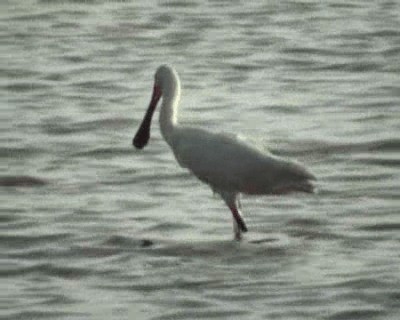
(93, 229)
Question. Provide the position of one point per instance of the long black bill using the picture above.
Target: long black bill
(142, 136)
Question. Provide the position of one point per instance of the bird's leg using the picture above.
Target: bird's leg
(236, 231)
(232, 202)
(239, 203)
(238, 223)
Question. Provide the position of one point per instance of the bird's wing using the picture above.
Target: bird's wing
(228, 163)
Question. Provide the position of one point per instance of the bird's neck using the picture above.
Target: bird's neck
(169, 108)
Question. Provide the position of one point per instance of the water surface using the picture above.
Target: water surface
(93, 229)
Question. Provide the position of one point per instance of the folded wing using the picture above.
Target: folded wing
(229, 163)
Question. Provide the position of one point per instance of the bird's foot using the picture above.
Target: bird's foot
(238, 235)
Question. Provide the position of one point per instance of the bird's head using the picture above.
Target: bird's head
(165, 82)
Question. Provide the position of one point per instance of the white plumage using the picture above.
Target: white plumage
(226, 163)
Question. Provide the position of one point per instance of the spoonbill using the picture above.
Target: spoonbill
(227, 164)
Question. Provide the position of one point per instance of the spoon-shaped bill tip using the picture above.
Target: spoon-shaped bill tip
(142, 136)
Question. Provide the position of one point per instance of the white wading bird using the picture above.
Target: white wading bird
(229, 166)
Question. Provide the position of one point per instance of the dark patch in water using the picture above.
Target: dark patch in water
(25, 241)
(74, 59)
(61, 126)
(54, 77)
(318, 147)
(33, 17)
(46, 315)
(18, 153)
(21, 181)
(356, 314)
(120, 241)
(144, 243)
(382, 227)
(25, 86)
(64, 272)
(18, 73)
(380, 162)
(266, 240)
(90, 2)
(104, 153)
(125, 242)
(305, 222)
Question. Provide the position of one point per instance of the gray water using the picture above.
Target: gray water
(93, 229)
